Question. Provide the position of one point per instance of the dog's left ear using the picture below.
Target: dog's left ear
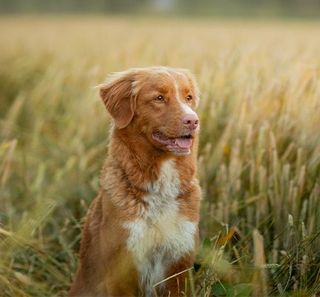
(119, 97)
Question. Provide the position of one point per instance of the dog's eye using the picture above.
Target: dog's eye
(160, 98)
(189, 97)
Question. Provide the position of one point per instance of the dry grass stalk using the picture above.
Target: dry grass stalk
(260, 276)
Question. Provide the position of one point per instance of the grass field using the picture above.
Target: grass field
(259, 157)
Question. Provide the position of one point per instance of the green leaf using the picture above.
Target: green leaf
(242, 290)
(206, 243)
(222, 290)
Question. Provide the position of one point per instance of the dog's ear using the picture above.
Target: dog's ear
(119, 97)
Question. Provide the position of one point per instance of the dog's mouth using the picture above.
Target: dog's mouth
(180, 145)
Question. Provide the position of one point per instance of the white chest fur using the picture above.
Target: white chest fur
(161, 236)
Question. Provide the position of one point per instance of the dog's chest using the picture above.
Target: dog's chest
(161, 235)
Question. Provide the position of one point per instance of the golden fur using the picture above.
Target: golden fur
(149, 197)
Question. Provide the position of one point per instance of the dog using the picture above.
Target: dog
(141, 231)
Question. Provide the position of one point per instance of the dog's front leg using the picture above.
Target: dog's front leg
(178, 283)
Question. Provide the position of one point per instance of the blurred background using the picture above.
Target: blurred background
(257, 63)
(210, 8)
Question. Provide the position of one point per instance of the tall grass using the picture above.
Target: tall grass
(259, 157)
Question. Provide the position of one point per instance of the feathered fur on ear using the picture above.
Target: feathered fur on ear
(118, 96)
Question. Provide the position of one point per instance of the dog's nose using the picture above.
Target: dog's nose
(191, 121)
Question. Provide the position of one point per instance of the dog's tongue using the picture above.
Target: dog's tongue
(184, 143)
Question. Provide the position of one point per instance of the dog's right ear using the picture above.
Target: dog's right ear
(119, 97)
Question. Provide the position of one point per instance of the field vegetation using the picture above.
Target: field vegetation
(259, 156)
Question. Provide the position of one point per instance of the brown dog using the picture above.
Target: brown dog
(142, 227)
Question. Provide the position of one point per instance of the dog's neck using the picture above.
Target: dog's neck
(139, 159)
(136, 155)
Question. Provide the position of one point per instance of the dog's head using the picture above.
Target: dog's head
(157, 102)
